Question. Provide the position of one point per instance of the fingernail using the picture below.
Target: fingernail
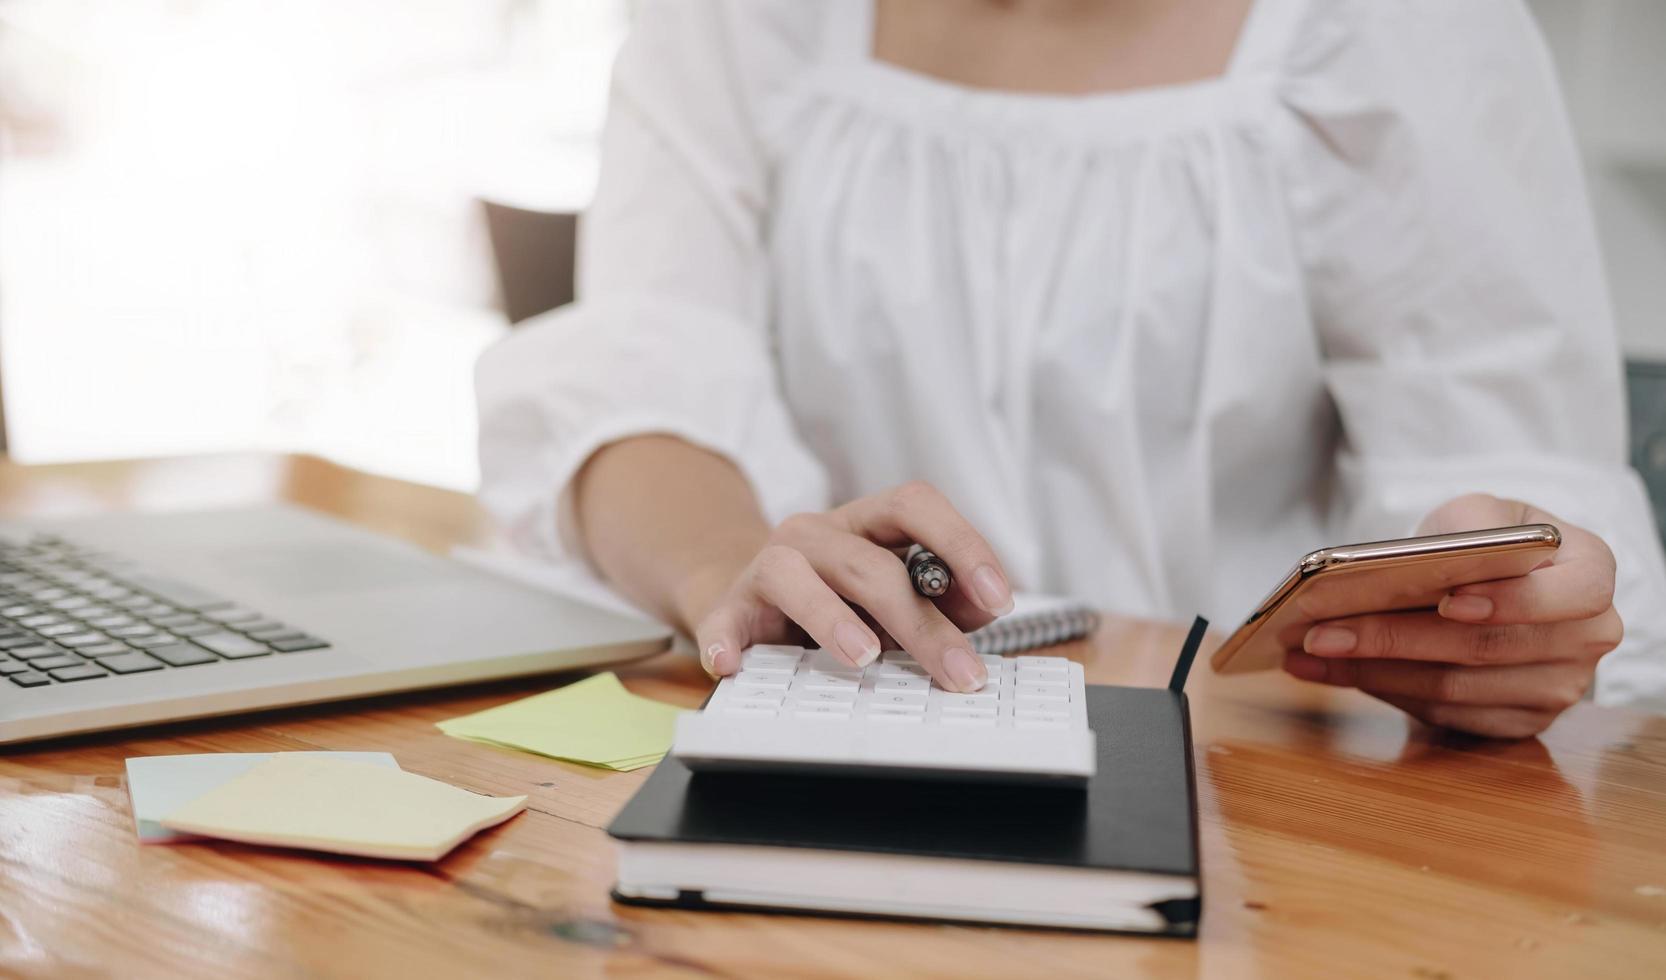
(1329, 640)
(720, 660)
(1471, 608)
(966, 671)
(1303, 666)
(855, 643)
(992, 591)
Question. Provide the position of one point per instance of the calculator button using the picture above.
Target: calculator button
(769, 658)
(1043, 692)
(830, 663)
(80, 672)
(986, 720)
(818, 681)
(977, 699)
(765, 696)
(1043, 675)
(763, 678)
(1056, 663)
(920, 684)
(967, 708)
(991, 661)
(1048, 724)
(749, 711)
(900, 700)
(823, 712)
(897, 657)
(827, 697)
(1041, 709)
(901, 670)
(31, 678)
(887, 716)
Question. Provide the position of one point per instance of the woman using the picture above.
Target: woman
(1134, 300)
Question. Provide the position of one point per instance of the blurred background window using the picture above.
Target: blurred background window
(236, 224)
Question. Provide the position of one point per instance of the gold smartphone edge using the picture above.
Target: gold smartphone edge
(1429, 547)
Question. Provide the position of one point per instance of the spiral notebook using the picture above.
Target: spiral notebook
(1035, 621)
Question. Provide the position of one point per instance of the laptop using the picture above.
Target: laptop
(129, 619)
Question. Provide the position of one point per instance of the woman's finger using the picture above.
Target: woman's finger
(721, 637)
(917, 512)
(1422, 635)
(871, 577)
(787, 580)
(1551, 686)
(1577, 584)
(962, 609)
(805, 532)
(1490, 722)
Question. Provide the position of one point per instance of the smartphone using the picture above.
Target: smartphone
(1379, 576)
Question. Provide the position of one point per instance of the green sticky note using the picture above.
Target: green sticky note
(595, 721)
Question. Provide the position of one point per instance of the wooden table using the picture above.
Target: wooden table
(1338, 840)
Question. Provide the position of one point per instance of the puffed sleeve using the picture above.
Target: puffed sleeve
(1454, 276)
(670, 333)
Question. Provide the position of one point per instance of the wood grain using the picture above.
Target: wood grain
(1338, 838)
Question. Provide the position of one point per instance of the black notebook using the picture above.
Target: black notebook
(1120, 855)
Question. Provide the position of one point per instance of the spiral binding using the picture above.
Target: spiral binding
(1039, 629)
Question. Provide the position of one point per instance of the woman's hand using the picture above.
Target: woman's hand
(1501, 659)
(834, 577)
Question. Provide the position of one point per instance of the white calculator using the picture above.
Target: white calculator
(795, 710)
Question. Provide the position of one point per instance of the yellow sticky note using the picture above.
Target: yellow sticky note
(595, 721)
(324, 804)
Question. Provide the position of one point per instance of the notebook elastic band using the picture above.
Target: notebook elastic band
(1188, 653)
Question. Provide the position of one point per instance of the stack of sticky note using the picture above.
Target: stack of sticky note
(595, 722)
(344, 803)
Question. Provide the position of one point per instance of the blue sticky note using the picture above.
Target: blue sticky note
(157, 785)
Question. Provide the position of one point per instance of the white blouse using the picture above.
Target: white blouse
(1155, 344)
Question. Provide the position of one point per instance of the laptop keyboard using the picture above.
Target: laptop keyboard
(70, 614)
